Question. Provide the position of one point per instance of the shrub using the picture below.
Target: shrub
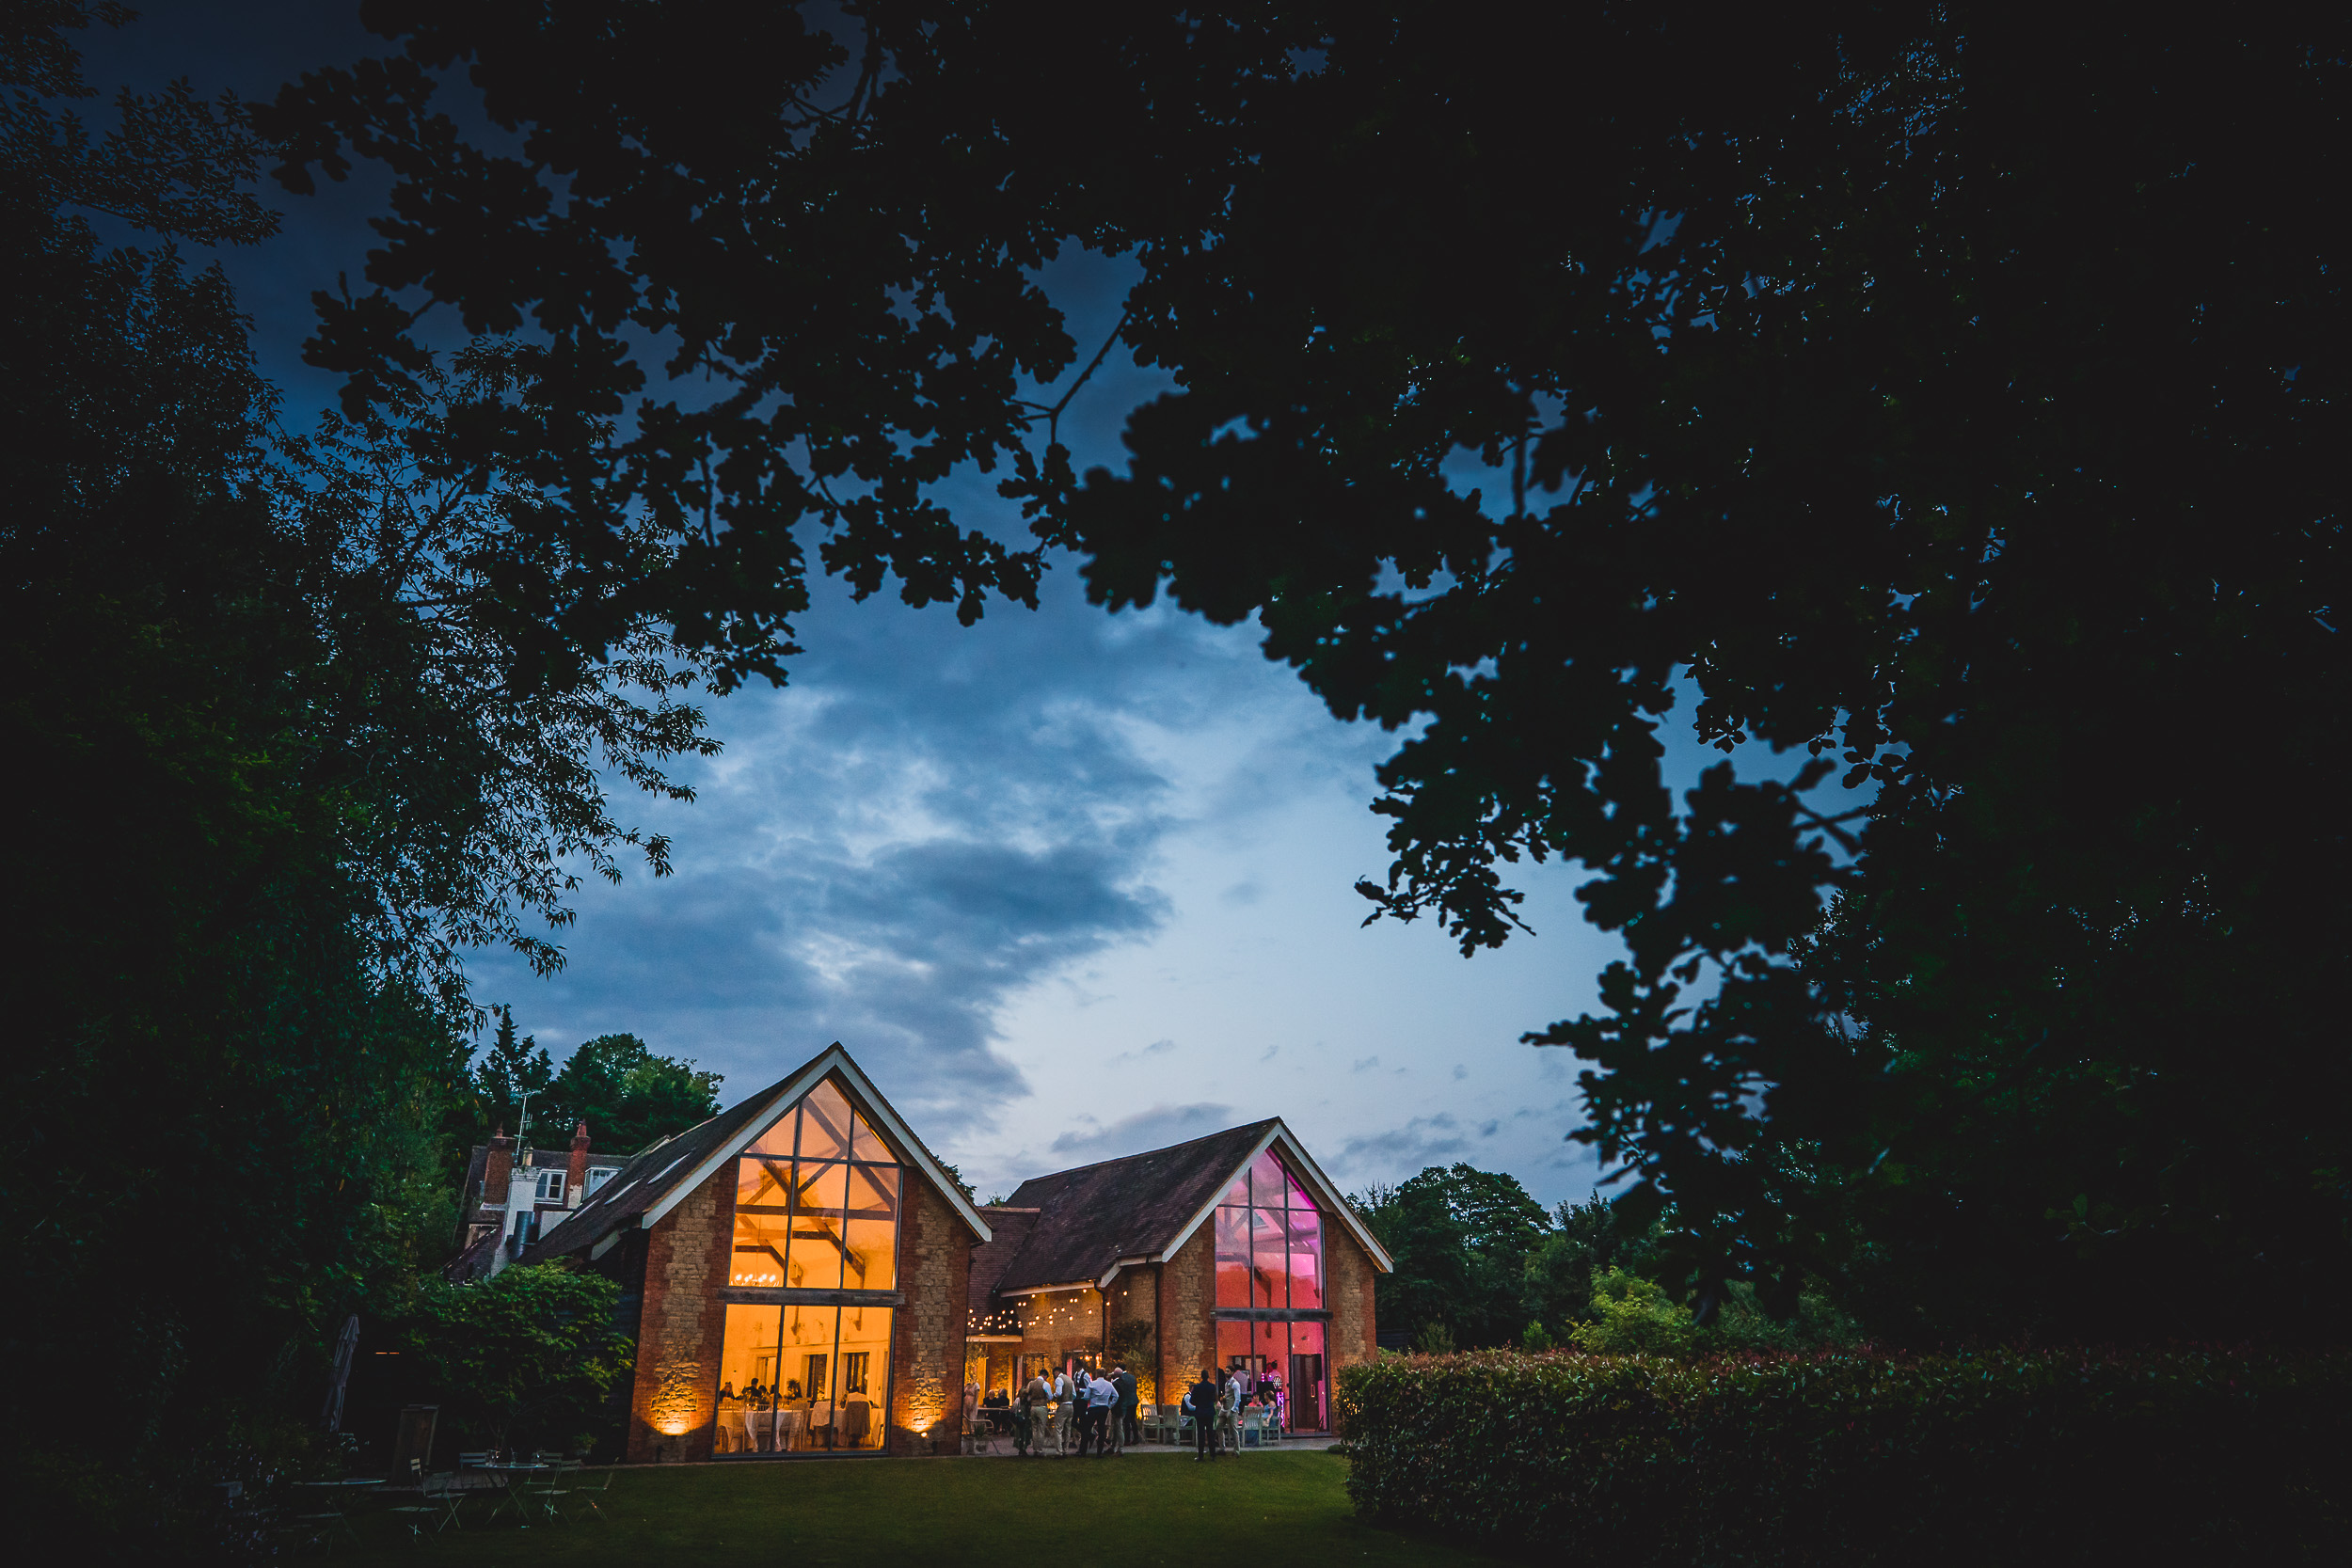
(1742, 1325)
(529, 1354)
(1846, 1457)
(1632, 1317)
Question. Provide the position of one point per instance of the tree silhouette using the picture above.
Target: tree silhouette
(1945, 397)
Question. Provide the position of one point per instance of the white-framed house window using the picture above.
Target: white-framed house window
(551, 1186)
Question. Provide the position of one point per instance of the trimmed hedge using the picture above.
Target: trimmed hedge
(1852, 1457)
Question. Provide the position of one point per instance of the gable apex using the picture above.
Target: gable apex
(834, 1061)
(658, 1178)
(1302, 1165)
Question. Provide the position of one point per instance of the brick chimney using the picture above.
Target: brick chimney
(499, 1171)
(576, 1180)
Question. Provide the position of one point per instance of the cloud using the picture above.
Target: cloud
(1365, 1064)
(1401, 1151)
(929, 820)
(1156, 1128)
(1157, 1048)
(1460, 1072)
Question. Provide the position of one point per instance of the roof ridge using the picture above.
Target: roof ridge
(1164, 1149)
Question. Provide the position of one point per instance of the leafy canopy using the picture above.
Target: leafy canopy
(528, 1354)
(628, 1096)
(1943, 396)
(288, 747)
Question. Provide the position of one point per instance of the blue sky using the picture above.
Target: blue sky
(1070, 885)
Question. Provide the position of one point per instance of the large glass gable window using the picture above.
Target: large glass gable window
(817, 1202)
(1269, 1262)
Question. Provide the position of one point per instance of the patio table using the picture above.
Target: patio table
(513, 1477)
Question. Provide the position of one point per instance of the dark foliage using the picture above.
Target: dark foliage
(1556, 1281)
(1949, 395)
(628, 1096)
(515, 1069)
(220, 1116)
(269, 777)
(1460, 1239)
(521, 1360)
(2010, 1456)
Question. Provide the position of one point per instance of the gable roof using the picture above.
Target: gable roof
(1097, 1219)
(658, 1179)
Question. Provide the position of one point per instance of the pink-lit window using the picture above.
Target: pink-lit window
(1269, 1240)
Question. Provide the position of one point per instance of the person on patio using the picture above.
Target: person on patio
(1202, 1403)
(1124, 1410)
(1100, 1396)
(1065, 1411)
(1040, 1416)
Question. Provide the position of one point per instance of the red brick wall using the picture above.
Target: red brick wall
(927, 1336)
(1351, 1271)
(679, 1328)
(1187, 1309)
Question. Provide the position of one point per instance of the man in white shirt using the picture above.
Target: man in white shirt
(1102, 1393)
(1065, 1406)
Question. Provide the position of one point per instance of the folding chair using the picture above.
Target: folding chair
(441, 1496)
(552, 1486)
(589, 1494)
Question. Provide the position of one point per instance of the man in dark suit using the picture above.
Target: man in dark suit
(1203, 1397)
(1124, 1413)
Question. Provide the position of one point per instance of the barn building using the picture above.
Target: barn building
(803, 1275)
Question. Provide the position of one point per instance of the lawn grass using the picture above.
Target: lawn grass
(1141, 1510)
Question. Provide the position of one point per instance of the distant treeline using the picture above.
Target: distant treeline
(1480, 1264)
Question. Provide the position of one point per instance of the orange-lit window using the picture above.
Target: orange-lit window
(817, 1198)
(804, 1379)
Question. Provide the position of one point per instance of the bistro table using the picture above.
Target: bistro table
(514, 1478)
(331, 1496)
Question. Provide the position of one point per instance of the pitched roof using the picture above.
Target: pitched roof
(652, 1184)
(1011, 1226)
(1094, 1218)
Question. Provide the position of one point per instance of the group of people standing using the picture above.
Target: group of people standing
(1221, 1395)
(1095, 1407)
(1095, 1410)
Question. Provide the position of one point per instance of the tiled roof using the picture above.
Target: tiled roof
(646, 1180)
(1011, 1228)
(1089, 1218)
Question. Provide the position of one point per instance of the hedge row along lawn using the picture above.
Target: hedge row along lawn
(1138, 1512)
(1851, 1458)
